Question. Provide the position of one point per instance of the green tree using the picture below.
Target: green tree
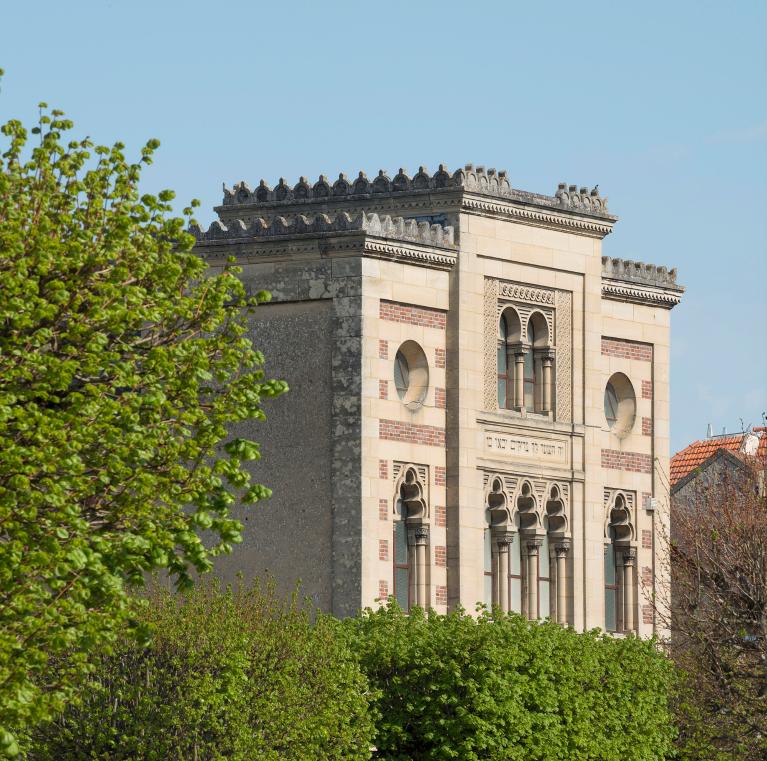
(121, 367)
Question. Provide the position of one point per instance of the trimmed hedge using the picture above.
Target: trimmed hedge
(241, 675)
(460, 687)
(228, 675)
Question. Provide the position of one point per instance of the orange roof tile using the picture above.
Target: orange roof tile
(698, 452)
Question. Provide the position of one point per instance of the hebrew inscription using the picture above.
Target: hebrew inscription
(525, 447)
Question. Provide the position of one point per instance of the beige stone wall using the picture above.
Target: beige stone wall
(417, 441)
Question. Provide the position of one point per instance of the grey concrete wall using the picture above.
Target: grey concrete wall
(290, 535)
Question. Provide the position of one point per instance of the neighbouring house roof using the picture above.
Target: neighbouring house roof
(748, 443)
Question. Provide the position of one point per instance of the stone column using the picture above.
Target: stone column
(561, 550)
(519, 377)
(548, 399)
(629, 555)
(421, 541)
(503, 542)
(533, 545)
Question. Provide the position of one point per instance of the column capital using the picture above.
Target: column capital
(419, 534)
(629, 555)
(533, 545)
(519, 349)
(562, 548)
(546, 355)
(503, 538)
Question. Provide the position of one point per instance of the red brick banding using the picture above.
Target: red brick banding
(440, 516)
(441, 595)
(634, 462)
(646, 389)
(625, 349)
(440, 556)
(646, 539)
(383, 469)
(440, 358)
(412, 315)
(383, 549)
(440, 398)
(440, 475)
(383, 510)
(383, 349)
(647, 614)
(383, 590)
(647, 576)
(646, 426)
(383, 389)
(395, 430)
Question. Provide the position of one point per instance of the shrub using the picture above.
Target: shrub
(228, 675)
(459, 687)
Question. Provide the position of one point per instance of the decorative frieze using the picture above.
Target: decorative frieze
(531, 294)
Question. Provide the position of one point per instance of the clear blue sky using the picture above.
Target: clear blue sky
(663, 104)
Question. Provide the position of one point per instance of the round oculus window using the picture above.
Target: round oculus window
(620, 404)
(411, 374)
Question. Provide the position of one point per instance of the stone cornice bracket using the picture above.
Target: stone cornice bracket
(640, 283)
(395, 228)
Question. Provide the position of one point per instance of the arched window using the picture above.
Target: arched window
(515, 575)
(488, 589)
(620, 579)
(508, 339)
(558, 540)
(402, 591)
(530, 369)
(411, 544)
(544, 577)
(611, 584)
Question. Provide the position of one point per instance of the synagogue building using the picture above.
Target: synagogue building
(479, 403)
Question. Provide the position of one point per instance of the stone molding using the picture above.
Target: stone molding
(397, 228)
(593, 228)
(519, 292)
(640, 283)
(475, 179)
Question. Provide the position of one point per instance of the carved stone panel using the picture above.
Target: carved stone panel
(490, 344)
(564, 372)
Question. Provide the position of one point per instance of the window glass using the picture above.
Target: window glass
(502, 385)
(530, 369)
(611, 405)
(544, 598)
(401, 567)
(611, 587)
(400, 543)
(401, 374)
(515, 574)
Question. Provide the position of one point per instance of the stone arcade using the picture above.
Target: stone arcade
(479, 399)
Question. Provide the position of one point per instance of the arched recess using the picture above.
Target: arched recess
(557, 548)
(509, 344)
(411, 541)
(500, 548)
(538, 362)
(528, 518)
(619, 572)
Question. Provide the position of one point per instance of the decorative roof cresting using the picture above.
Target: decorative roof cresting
(640, 273)
(489, 182)
(381, 227)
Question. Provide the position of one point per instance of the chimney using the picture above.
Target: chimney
(724, 430)
(709, 431)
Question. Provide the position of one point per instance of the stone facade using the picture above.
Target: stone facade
(479, 399)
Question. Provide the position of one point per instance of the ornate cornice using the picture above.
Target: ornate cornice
(519, 292)
(636, 294)
(640, 283)
(589, 226)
